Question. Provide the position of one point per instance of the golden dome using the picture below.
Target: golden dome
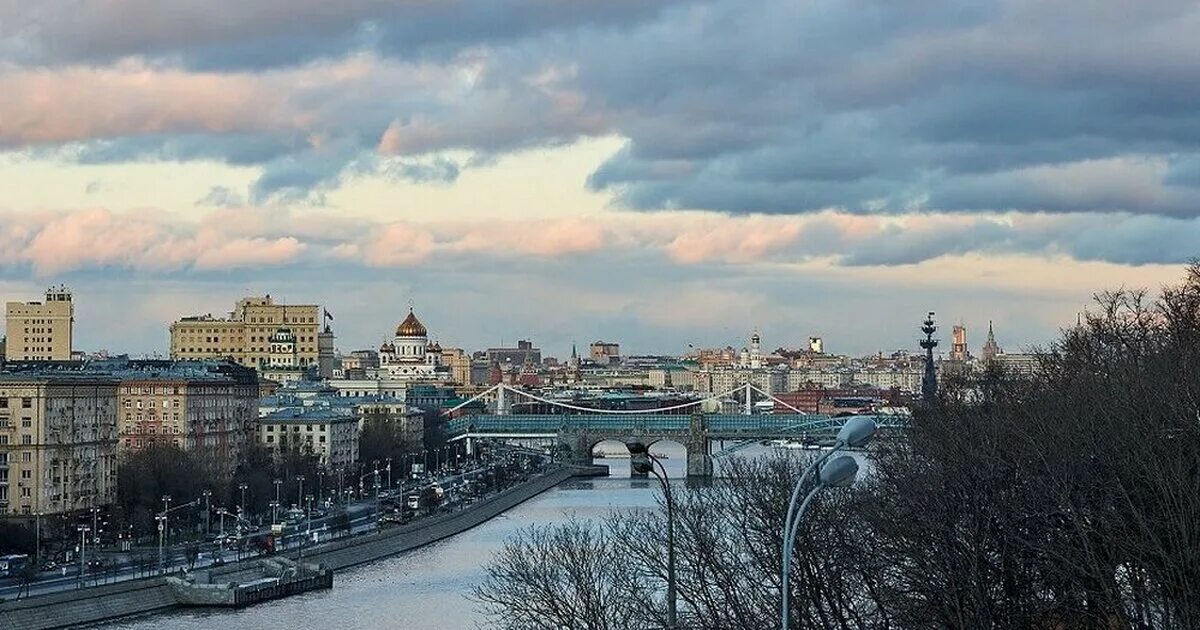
(411, 327)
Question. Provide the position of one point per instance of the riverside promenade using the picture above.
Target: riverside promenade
(150, 595)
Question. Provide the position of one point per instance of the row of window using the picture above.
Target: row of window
(296, 428)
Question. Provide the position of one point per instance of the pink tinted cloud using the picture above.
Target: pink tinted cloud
(57, 241)
(59, 105)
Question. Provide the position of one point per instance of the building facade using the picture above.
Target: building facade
(40, 331)
(328, 433)
(605, 352)
(203, 407)
(251, 332)
(58, 443)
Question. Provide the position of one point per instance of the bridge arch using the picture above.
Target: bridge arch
(673, 455)
(610, 452)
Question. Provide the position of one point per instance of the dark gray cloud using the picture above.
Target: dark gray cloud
(267, 33)
(728, 105)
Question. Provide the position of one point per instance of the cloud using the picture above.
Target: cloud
(76, 103)
(145, 240)
(152, 241)
(759, 107)
(267, 33)
(222, 197)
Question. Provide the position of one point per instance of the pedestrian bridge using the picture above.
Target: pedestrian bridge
(577, 430)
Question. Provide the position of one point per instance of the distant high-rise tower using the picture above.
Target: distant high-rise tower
(755, 351)
(929, 382)
(958, 349)
(990, 347)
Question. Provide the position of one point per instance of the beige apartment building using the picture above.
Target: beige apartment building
(58, 443)
(40, 331)
(245, 335)
(331, 435)
(206, 408)
(460, 365)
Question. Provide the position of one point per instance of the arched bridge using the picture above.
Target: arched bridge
(576, 430)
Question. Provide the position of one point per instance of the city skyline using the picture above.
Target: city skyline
(712, 171)
(976, 335)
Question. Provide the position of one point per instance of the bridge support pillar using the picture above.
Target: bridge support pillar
(699, 463)
(633, 471)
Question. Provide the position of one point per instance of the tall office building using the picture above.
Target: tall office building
(245, 336)
(41, 331)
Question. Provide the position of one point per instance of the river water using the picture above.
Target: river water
(427, 589)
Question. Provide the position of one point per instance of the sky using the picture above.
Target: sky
(657, 173)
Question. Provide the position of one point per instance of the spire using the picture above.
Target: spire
(990, 348)
(929, 382)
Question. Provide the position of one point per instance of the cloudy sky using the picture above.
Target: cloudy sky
(654, 172)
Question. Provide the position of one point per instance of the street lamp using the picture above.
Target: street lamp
(83, 530)
(300, 491)
(207, 494)
(643, 462)
(37, 553)
(242, 505)
(855, 433)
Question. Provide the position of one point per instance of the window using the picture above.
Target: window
(26, 439)
(27, 403)
(26, 456)
(3, 403)
(26, 474)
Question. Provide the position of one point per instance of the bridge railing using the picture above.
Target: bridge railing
(714, 424)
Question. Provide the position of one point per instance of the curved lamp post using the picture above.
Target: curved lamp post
(841, 471)
(644, 462)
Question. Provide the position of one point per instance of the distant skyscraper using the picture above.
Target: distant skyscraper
(929, 382)
(958, 348)
(990, 347)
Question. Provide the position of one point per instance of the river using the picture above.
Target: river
(427, 589)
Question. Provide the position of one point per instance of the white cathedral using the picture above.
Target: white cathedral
(410, 355)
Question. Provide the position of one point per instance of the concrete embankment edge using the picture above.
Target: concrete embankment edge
(137, 597)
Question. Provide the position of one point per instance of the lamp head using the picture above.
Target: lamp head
(857, 432)
(636, 448)
(839, 471)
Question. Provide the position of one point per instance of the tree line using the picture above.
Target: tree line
(1065, 499)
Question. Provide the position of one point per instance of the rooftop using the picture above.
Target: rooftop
(308, 415)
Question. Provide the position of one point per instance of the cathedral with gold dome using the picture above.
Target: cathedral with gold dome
(410, 356)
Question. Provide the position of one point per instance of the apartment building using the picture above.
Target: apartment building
(328, 433)
(40, 331)
(207, 408)
(58, 442)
